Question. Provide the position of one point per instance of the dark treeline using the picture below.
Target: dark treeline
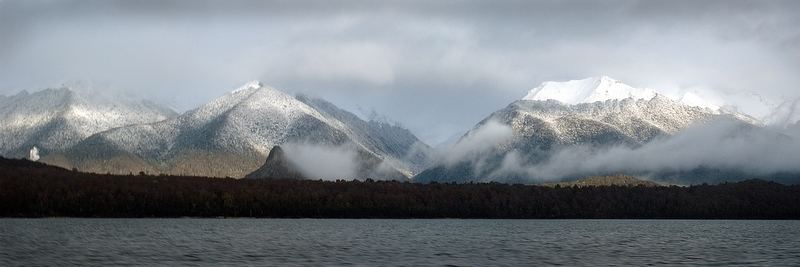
(30, 189)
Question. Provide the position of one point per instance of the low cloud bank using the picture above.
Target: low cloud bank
(720, 145)
(477, 142)
(323, 161)
(341, 162)
(708, 152)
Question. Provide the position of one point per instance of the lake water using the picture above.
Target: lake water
(396, 242)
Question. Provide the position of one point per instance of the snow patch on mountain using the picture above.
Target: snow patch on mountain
(255, 84)
(588, 90)
(695, 100)
(604, 88)
(777, 112)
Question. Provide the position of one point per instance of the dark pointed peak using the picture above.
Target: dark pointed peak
(276, 166)
(276, 151)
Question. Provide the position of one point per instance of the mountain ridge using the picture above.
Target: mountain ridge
(230, 136)
(539, 129)
(234, 134)
(55, 119)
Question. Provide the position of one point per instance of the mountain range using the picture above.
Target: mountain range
(595, 114)
(257, 131)
(232, 135)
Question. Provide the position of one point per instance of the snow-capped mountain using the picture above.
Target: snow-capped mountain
(595, 112)
(588, 90)
(53, 120)
(233, 134)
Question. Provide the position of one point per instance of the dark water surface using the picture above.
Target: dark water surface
(396, 242)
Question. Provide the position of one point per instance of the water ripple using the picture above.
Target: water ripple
(301, 242)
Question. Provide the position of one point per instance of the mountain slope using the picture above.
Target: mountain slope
(382, 137)
(54, 120)
(229, 136)
(595, 112)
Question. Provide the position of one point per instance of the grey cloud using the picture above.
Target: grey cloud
(473, 146)
(436, 67)
(323, 162)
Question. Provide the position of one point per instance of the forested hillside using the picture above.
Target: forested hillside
(30, 189)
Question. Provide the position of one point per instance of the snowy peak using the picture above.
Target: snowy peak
(695, 100)
(252, 97)
(587, 91)
(252, 85)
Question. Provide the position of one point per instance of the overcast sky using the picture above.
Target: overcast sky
(436, 67)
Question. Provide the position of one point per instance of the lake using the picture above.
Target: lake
(287, 242)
